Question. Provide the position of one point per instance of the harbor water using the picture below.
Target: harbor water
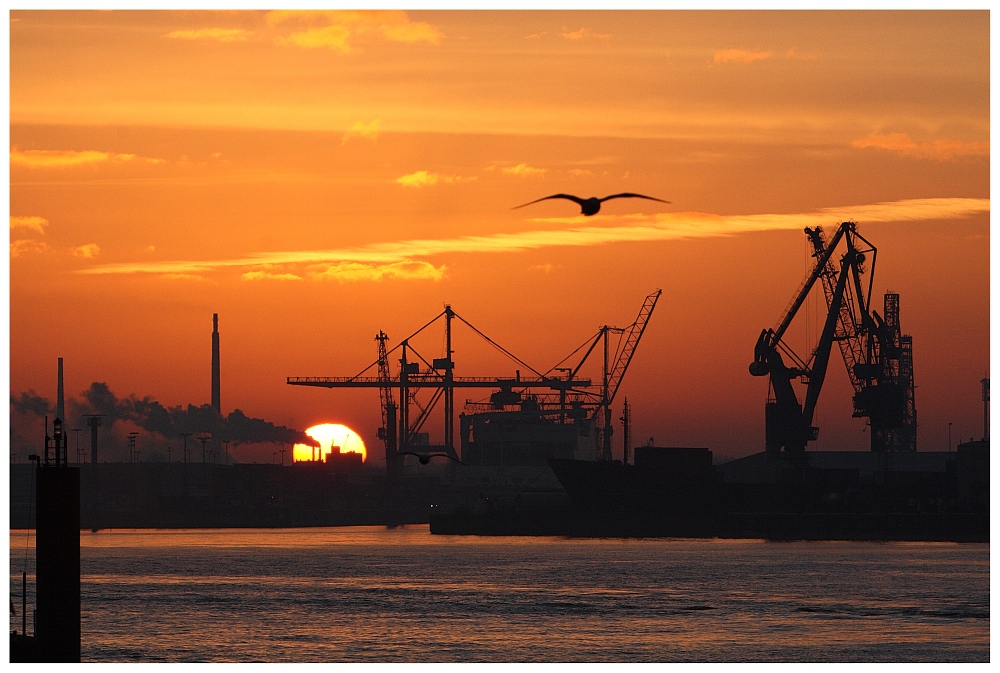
(369, 594)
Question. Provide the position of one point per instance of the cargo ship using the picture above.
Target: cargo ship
(822, 495)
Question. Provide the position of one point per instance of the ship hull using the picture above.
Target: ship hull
(615, 500)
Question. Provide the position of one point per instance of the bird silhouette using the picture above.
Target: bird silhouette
(592, 205)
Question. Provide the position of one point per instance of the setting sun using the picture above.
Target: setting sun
(330, 435)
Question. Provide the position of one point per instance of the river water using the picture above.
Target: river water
(375, 594)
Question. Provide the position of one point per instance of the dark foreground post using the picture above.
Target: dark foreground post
(57, 558)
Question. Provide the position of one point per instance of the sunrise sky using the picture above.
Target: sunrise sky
(314, 177)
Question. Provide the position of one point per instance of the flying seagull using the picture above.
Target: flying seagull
(592, 205)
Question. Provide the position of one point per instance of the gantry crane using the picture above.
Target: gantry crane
(879, 359)
(437, 375)
(563, 393)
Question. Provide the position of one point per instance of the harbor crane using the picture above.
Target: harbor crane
(559, 392)
(879, 359)
(615, 366)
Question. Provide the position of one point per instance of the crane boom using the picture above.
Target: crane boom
(848, 329)
(614, 373)
(632, 337)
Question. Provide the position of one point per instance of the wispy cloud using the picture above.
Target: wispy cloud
(337, 29)
(941, 150)
(426, 179)
(68, 158)
(265, 275)
(548, 267)
(25, 246)
(408, 31)
(580, 172)
(88, 251)
(31, 222)
(362, 129)
(334, 37)
(740, 56)
(22, 247)
(616, 229)
(582, 34)
(524, 171)
(355, 271)
(182, 276)
(219, 34)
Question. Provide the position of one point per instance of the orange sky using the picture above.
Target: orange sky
(316, 177)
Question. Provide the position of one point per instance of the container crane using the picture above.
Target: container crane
(562, 392)
(437, 374)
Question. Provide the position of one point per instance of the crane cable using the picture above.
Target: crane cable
(499, 347)
(575, 351)
(393, 349)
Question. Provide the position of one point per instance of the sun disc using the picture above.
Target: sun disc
(330, 435)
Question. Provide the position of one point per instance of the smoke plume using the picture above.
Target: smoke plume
(147, 414)
(31, 403)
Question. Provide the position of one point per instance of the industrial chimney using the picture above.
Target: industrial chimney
(216, 402)
(60, 402)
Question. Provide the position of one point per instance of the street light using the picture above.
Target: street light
(185, 435)
(949, 438)
(203, 438)
(131, 446)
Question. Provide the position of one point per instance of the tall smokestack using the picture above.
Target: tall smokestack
(216, 401)
(60, 403)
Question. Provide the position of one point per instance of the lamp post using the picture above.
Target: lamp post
(949, 438)
(131, 446)
(225, 443)
(203, 438)
(185, 435)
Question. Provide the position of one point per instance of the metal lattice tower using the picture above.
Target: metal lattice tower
(387, 433)
(896, 428)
